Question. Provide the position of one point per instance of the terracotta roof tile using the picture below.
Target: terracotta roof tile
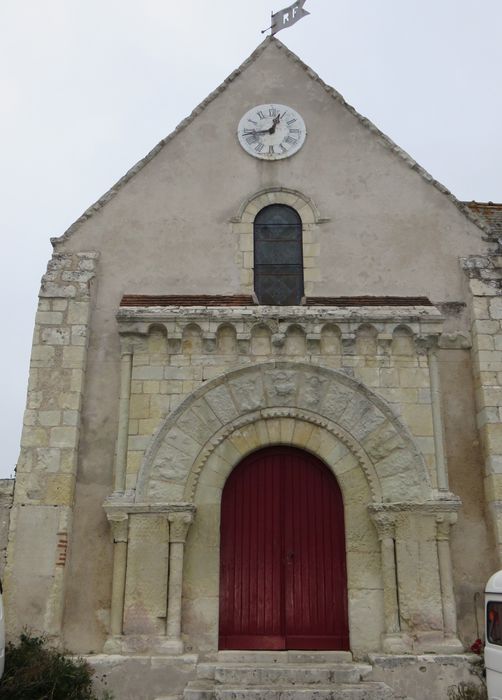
(186, 300)
(143, 300)
(490, 212)
(368, 301)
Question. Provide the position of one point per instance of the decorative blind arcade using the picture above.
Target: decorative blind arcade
(278, 256)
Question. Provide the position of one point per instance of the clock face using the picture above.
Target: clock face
(271, 131)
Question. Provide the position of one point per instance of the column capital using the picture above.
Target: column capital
(444, 521)
(179, 524)
(385, 523)
(119, 523)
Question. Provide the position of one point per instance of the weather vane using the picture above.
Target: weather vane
(287, 17)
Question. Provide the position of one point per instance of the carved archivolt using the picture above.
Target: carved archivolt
(327, 399)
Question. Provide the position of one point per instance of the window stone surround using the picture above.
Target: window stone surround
(242, 226)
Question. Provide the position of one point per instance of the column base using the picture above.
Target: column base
(398, 643)
(421, 643)
(131, 644)
(436, 643)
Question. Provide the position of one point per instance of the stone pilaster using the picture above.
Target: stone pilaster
(123, 427)
(393, 640)
(419, 604)
(180, 522)
(444, 523)
(120, 530)
(148, 575)
(437, 420)
(42, 515)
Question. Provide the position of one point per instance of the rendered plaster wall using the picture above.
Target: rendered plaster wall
(169, 228)
(473, 546)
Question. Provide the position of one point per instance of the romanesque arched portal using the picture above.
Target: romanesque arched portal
(395, 525)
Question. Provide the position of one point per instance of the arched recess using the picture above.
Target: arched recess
(243, 224)
(283, 569)
(220, 415)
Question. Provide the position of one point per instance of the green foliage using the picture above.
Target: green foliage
(466, 691)
(34, 671)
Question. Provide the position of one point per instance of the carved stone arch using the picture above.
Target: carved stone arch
(340, 405)
(287, 426)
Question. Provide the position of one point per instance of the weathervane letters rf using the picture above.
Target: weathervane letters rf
(287, 17)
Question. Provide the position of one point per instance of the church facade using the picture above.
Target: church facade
(264, 407)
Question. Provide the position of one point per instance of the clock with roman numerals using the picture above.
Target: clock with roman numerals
(271, 131)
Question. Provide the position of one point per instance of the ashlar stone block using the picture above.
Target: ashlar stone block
(63, 437)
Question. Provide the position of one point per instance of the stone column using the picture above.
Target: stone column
(444, 523)
(179, 524)
(120, 530)
(437, 421)
(386, 525)
(123, 427)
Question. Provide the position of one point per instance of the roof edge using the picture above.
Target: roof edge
(114, 189)
(367, 123)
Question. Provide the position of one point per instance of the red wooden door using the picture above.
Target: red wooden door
(283, 581)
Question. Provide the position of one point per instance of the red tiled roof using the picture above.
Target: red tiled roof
(490, 212)
(143, 300)
(368, 301)
(186, 300)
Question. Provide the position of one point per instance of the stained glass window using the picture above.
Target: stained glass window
(278, 256)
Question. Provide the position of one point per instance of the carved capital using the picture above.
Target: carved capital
(120, 527)
(443, 525)
(385, 524)
(179, 524)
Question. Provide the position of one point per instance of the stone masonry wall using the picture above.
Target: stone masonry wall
(6, 496)
(485, 282)
(41, 520)
(173, 359)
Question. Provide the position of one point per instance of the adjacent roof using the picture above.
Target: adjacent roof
(489, 212)
(368, 301)
(271, 41)
(143, 300)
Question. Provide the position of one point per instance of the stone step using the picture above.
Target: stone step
(273, 657)
(290, 673)
(205, 690)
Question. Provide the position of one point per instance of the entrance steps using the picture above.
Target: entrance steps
(284, 676)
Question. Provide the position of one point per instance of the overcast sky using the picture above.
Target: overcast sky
(88, 87)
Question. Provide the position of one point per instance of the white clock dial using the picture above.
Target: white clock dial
(271, 131)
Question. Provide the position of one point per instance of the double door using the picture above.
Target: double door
(283, 582)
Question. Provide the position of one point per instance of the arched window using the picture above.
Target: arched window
(278, 256)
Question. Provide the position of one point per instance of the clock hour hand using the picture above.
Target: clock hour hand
(274, 124)
(255, 132)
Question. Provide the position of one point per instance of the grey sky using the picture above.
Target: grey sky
(89, 86)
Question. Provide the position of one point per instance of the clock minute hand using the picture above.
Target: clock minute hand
(255, 132)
